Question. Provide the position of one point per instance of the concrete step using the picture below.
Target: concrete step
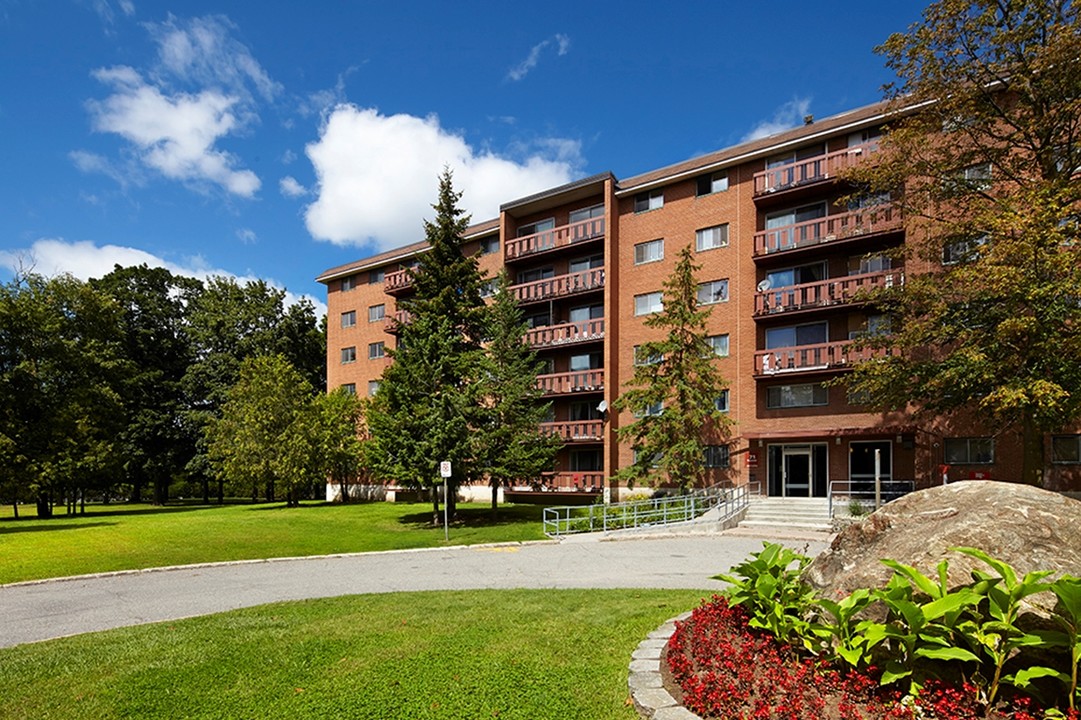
(797, 513)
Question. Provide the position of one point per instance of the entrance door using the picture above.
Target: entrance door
(796, 471)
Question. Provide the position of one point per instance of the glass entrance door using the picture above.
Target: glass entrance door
(796, 471)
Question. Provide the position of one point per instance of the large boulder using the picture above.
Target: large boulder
(1029, 528)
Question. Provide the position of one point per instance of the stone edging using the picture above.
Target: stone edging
(644, 681)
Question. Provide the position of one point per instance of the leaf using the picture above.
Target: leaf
(947, 654)
(953, 601)
(894, 671)
(918, 580)
(1024, 678)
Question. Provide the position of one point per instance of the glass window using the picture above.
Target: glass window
(586, 263)
(1066, 449)
(721, 401)
(377, 276)
(969, 451)
(487, 288)
(712, 292)
(376, 350)
(376, 313)
(588, 213)
(349, 388)
(796, 275)
(647, 303)
(712, 183)
(642, 358)
(541, 319)
(650, 251)
(349, 319)
(650, 410)
(650, 200)
(719, 344)
(373, 387)
(716, 456)
(875, 262)
(585, 361)
(535, 274)
(349, 354)
(583, 313)
(536, 227)
(711, 237)
(795, 335)
(783, 218)
(962, 250)
(791, 396)
(584, 411)
(489, 245)
(586, 461)
(349, 282)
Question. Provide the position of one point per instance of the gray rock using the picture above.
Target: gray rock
(1029, 528)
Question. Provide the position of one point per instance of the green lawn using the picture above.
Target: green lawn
(528, 654)
(124, 537)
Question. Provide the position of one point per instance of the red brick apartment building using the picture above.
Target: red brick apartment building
(781, 263)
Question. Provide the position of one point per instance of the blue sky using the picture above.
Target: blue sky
(277, 139)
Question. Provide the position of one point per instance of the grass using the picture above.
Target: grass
(528, 654)
(124, 537)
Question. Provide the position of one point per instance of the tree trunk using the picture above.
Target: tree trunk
(452, 502)
(45, 508)
(1031, 452)
(270, 491)
(161, 492)
(345, 488)
(221, 492)
(82, 501)
(495, 496)
(15, 508)
(436, 520)
(206, 491)
(137, 491)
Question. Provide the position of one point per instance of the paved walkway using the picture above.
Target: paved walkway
(43, 610)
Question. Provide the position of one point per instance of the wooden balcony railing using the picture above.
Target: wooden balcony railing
(560, 286)
(816, 169)
(556, 237)
(398, 281)
(393, 323)
(571, 382)
(866, 221)
(576, 430)
(810, 358)
(823, 293)
(565, 334)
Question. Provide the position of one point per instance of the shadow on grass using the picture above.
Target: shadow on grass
(303, 504)
(478, 517)
(11, 530)
(111, 510)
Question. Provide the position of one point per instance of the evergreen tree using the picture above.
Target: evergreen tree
(512, 446)
(674, 390)
(427, 404)
(983, 160)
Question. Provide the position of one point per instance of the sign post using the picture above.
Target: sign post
(444, 471)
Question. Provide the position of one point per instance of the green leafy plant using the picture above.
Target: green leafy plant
(1067, 614)
(847, 641)
(769, 588)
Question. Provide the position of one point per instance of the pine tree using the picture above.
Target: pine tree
(511, 444)
(674, 390)
(427, 404)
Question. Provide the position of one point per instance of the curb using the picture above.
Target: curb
(650, 698)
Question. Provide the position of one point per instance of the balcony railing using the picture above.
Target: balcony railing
(555, 238)
(867, 221)
(571, 480)
(565, 334)
(810, 358)
(576, 430)
(823, 293)
(394, 322)
(816, 169)
(560, 286)
(398, 281)
(571, 382)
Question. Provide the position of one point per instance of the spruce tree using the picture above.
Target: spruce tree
(674, 389)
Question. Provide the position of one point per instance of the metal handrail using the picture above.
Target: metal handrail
(655, 512)
(891, 489)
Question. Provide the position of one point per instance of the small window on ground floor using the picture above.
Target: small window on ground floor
(1066, 449)
(970, 451)
(716, 456)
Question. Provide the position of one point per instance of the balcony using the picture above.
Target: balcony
(565, 334)
(812, 358)
(817, 169)
(393, 323)
(559, 286)
(398, 282)
(842, 227)
(576, 431)
(822, 294)
(553, 239)
(571, 382)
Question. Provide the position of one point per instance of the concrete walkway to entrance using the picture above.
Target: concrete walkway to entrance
(48, 609)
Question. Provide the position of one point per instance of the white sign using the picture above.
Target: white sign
(444, 469)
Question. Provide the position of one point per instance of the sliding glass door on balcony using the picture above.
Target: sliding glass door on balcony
(788, 229)
(795, 335)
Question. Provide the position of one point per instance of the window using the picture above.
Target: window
(541, 319)
(585, 313)
(720, 403)
(586, 461)
(536, 227)
(349, 388)
(489, 245)
(862, 137)
(974, 178)
(642, 358)
(650, 200)
(648, 252)
(1066, 449)
(969, 451)
(800, 275)
(349, 319)
(875, 262)
(487, 288)
(713, 183)
(585, 361)
(712, 292)
(654, 461)
(373, 387)
(349, 354)
(349, 282)
(806, 213)
(588, 213)
(716, 456)
(793, 156)
(962, 249)
(650, 410)
(377, 276)
(376, 313)
(719, 344)
(793, 396)
(581, 411)
(586, 263)
(711, 237)
(796, 335)
(376, 350)
(648, 303)
(535, 274)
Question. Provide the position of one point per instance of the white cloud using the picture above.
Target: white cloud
(247, 236)
(787, 116)
(85, 260)
(175, 135)
(523, 68)
(289, 157)
(291, 188)
(378, 175)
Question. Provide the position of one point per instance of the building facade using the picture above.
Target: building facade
(783, 259)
